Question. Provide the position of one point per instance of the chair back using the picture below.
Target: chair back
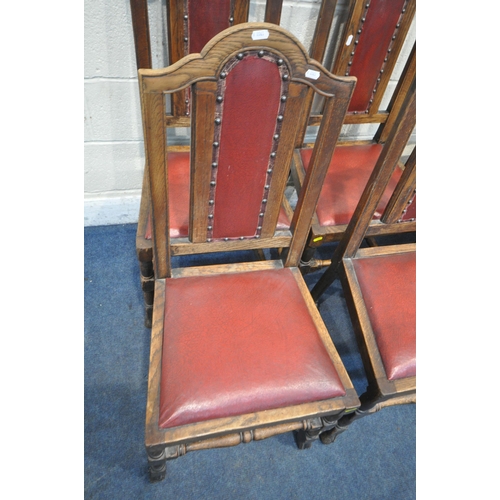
(369, 48)
(190, 25)
(404, 193)
(248, 86)
(397, 209)
(371, 45)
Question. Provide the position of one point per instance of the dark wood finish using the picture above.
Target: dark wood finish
(201, 72)
(322, 30)
(240, 11)
(381, 390)
(140, 26)
(273, 11)
(176, 51)
(409, 73)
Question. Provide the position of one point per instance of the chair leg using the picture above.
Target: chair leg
(371, 241)
(146, 267)
(307, 260)
(157, 461)
(148, 304)
(259, 253)
(370, 403)
(341, 426)
(147, 284)
(304, 438)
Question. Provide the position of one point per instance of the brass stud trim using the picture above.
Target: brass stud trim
(283, 69)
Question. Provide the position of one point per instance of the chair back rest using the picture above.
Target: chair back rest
(190, 25)
(388, 160)
(404, 192)
(249, 85)
(371, 45)
(193, 23)
(253, 111)
(369, 49)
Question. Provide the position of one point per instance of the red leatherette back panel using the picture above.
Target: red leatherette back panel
(377, 31)
(206, 19)
(251, 103)
(178, 186)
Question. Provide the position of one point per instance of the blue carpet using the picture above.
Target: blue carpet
(374, 460)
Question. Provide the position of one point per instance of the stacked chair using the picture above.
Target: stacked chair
(239, 352)
(190, 25)
(369, 49)
(379, 284)
(370, 45)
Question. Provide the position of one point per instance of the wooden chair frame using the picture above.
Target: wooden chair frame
(381, 391)
(178, 37)
(202, 72)
(352, 36)
(176, 13)
(176, 10)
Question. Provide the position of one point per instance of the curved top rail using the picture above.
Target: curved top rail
(246, 36)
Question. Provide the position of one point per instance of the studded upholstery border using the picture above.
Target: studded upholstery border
(201, 22)
(378, 29)
(259, 111)
(410, 212)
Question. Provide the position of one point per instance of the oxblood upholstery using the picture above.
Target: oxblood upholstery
(388, 287)
(178, 180)
(232, 346)
(411, 211)
(372, 49)
(206, 19)
(345, 181)
(250, 108)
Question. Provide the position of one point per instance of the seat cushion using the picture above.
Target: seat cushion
(240, 343)
(178, 203)
(388, 286)
(345, 181)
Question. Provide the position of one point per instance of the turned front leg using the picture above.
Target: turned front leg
(306, 437)
(157, 462)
